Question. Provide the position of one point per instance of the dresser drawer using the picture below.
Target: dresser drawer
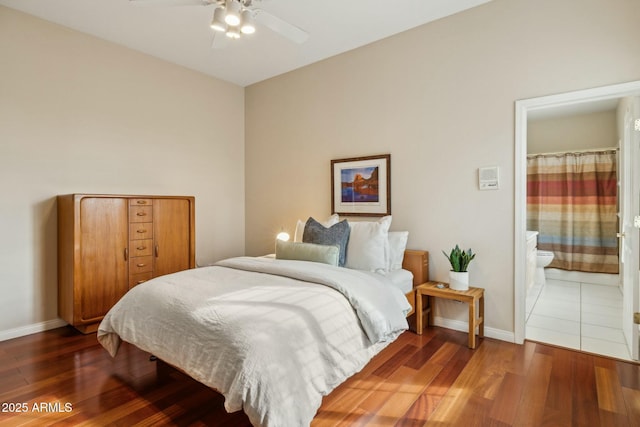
(140, 230)
(138, 248)
(136, 279)
(140, 213)
(140, 202)
(143, 264)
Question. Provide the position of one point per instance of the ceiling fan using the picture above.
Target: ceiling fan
(237, 18)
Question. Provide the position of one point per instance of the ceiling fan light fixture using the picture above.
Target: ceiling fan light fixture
(233, 13)
(217, 23)
(247, 25)
(233, 33)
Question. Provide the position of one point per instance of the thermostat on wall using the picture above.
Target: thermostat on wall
(489, 178)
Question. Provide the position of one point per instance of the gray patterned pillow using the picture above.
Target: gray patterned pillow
(337, 234)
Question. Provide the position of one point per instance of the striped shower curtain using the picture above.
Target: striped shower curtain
(572, 203)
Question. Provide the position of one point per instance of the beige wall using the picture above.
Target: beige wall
(78, 114)
(575, 132)
(440, 99)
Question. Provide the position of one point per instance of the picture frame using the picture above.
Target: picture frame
(361, 186)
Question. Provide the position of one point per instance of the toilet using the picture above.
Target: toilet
(543, 259)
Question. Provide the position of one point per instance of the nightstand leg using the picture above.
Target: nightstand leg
(432, 300)
(481, 314)
(472, 324)
(419, 313)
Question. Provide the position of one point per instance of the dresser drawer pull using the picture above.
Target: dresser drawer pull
(140, 264)
(141, 248)
(126, 254)
(141, 213)
(141, 202)
(142, 230)
(157, 251)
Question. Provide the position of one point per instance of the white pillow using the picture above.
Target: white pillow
(297, 237)
(368, 246)
(397, 246)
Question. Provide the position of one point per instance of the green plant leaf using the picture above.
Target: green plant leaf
(459, 258)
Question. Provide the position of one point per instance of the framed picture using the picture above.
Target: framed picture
(361, 186)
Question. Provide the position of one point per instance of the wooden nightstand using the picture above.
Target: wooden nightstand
(469, 296)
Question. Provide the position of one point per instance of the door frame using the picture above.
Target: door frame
(628, 234)
(523, 109)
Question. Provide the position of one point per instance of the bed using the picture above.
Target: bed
(272, 335)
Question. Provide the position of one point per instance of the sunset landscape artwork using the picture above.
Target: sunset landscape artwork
(360, 185)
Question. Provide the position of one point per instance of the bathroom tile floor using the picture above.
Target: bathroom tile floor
(576, 315)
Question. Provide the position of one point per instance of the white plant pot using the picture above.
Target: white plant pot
(459, 280)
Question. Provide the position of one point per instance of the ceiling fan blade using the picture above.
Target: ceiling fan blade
(290, 31)
(172, 2)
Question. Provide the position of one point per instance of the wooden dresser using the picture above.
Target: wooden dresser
(108, 244)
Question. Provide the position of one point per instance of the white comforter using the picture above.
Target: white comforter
(273, 344)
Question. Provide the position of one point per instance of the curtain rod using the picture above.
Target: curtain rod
(585, 151)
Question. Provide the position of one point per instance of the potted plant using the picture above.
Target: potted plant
(459, 260)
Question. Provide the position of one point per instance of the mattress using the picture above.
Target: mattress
(401, 279)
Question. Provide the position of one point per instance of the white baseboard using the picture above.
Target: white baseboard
(459, 325)
(31, 329)
(456, 325)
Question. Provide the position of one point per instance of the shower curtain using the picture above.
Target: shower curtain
(572, 203)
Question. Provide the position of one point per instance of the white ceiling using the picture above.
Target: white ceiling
(181, 34)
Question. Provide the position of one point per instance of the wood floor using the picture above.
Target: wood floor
(60, 377)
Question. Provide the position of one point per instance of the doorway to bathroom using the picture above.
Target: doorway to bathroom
(588, 311)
